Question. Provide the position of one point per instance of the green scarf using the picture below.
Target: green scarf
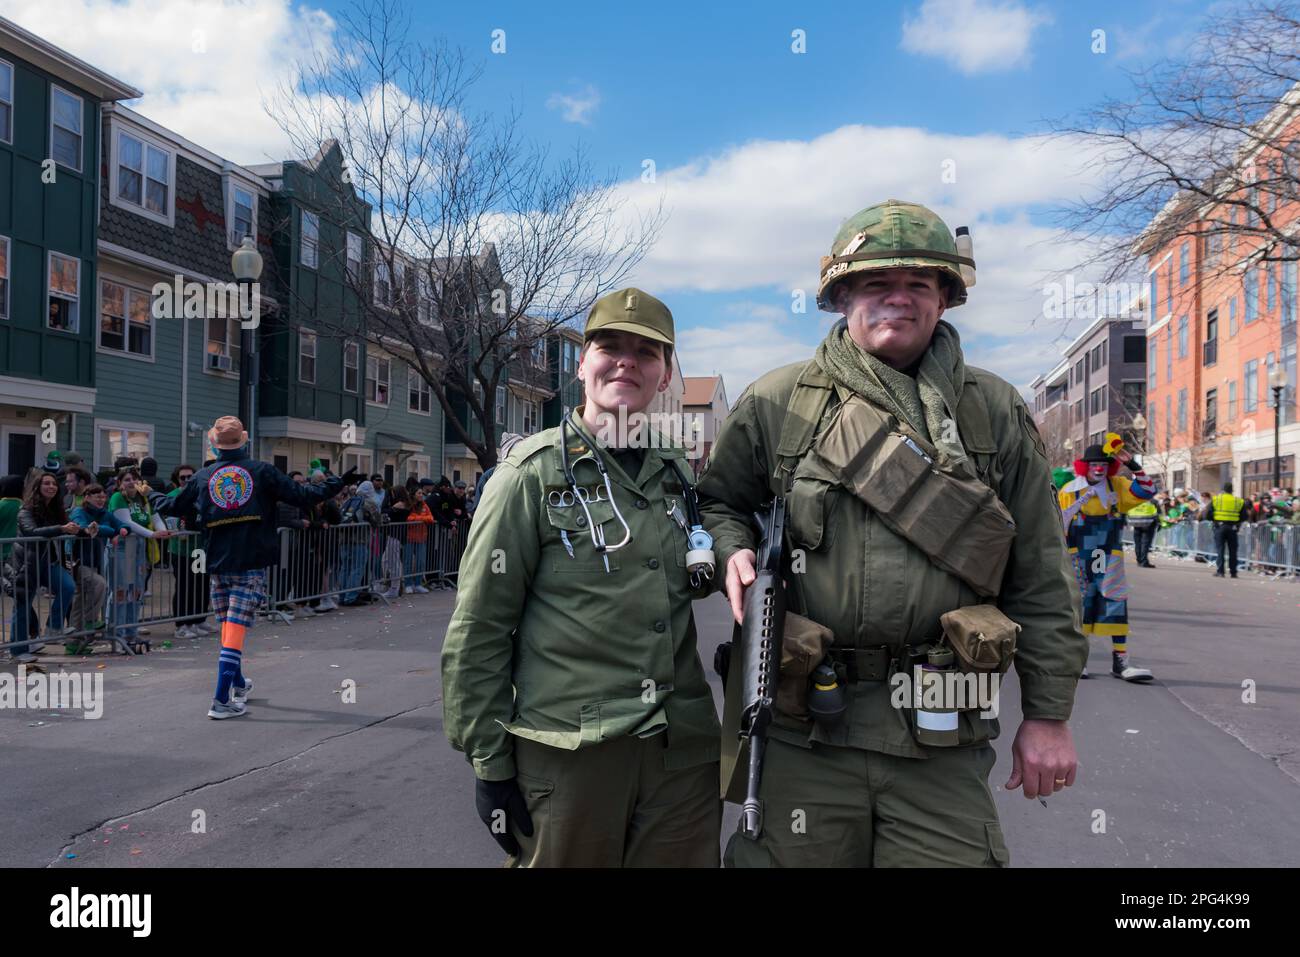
(927, 403)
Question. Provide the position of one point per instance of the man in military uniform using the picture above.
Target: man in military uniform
(863, 791)
(571, 679)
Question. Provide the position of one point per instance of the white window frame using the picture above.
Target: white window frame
(350, 271)
(231, 348)
(306, 337)
(417, 465)
(424, 304)
(116, 132)
(4, 299)
(387, 363)
(304, 215)
(49, 294)
(232, 183)
(532, 416)
(399, 283)
(355, 349)
(127, 290)
(500, 408)
(353, 457)
(114, 425)
(415, 383)
(9, 102)
(81, 133)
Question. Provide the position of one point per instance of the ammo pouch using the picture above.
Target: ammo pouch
(981, 637)
(802, 650)
(958, 522)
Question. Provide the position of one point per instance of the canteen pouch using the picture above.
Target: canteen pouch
(981, 637)
(802, 648)
(958, 522)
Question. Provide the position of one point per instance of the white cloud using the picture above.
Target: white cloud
(205, 66)
(974, 36)
(758, 217)
(576, 108)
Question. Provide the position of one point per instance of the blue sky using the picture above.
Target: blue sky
(760, 151)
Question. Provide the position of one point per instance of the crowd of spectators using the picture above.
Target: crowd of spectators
(91, 543)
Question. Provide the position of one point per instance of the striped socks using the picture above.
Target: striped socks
(229, 670)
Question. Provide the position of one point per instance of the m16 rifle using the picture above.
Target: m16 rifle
(761, 634)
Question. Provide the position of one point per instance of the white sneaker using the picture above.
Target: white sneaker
(241, 694)
(186, 632)
(327, 604)
(235, 709)
(304, 611)
(203, 628)
(390, 594)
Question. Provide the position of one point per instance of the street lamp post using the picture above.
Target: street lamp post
(1277, 382)
(246, 264)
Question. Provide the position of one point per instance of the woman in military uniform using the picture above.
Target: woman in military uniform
(571, 679)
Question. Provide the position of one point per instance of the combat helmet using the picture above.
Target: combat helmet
(896, 234)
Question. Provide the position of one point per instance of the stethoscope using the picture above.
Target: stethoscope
(700, 560)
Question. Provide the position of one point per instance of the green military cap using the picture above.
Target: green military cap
(630, 310)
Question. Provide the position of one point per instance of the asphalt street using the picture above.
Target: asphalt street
(1181, 772)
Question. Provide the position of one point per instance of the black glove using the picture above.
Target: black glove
(493, 797)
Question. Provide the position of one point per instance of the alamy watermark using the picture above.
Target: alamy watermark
(1088, 300)
(208, 300)
(70, 690)
(653, 430)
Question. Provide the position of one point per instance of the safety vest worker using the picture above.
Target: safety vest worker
(1227, 507)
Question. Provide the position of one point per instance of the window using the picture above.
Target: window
(1155, 294)
(1169, 353)
(354, 256)
(1133, 395)
(64, 299)
(6, 102)
(1184, 269)
(65, 128)
(1232, 317)
(1232, 400)
(306, 357)
(113, 440)
(1097, 401)
(1169, 419)
(4, 277)
(378, 377)
(499, 412)
(419, 395)
(1133, 346)
(362, 460)
(310, 239)
(1078, 371)
(1211, 413)
(1180, 478)
(1213, 246)
(1250, 387)
(1251, 283)
(351, 366)
(425, 313)
(1232, 231)
(222, 346)
(1169, 288)
(125, 323)
(383, 284)
(1182, 337)
(1270, 288)
(1151, 364)
(1182, 410)
(1210, 348)
(399, 283)
(539, 353)
(241, 212)
(1288, 292)
(143, 174)
(532, 417)
(1289, 397)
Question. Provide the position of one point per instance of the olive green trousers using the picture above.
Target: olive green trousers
(828, 806)
(614, 805)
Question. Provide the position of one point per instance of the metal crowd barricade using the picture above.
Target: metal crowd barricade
(1263, 545)
(69, 591)
(340, 564)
